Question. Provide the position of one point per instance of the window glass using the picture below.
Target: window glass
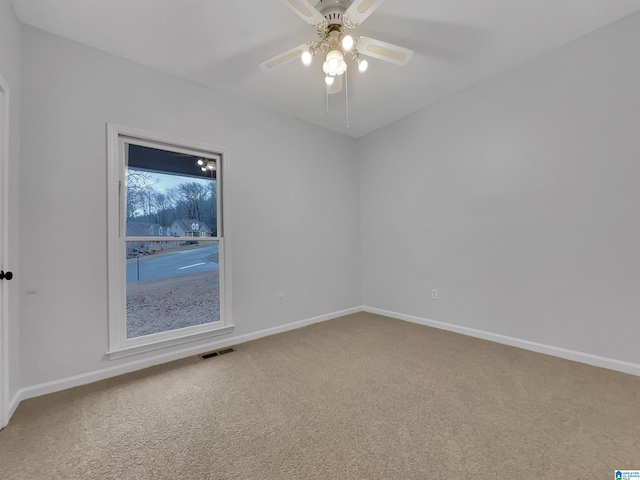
(172, 291)
(170, 284)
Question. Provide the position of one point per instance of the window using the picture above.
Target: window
(163, 293)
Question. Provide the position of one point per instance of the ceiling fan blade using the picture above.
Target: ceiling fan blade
(283, 58)
(384, 51)
(306, 11)
(359, 10)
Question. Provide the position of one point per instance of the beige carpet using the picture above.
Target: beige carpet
(362, 396)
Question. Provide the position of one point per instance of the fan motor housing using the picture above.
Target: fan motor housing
(333, 10)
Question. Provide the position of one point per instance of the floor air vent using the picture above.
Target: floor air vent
(204, 356)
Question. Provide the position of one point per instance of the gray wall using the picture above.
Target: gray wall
(292, 217)
(10, 70)
(518, 200)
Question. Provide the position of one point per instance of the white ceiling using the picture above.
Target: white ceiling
(220, 43)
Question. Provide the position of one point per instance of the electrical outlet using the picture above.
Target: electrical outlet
(281, 298)
(434, 294)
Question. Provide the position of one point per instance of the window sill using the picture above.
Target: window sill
(127, 351)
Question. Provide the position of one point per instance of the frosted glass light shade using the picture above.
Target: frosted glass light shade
(334, 63)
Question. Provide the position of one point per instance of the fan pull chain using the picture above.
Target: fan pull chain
(326, 93)
(346, 94)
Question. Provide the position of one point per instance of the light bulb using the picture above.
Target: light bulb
(204, 169)
(200, 162)
(306, 57)
(328, 80)
(347, 42)
(363, 65)
(333, 64)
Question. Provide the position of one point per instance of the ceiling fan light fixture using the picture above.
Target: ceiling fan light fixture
(334, 64)
(206, 165)
(332, 20)
(362, 65)
(347, 42)
(307, 56)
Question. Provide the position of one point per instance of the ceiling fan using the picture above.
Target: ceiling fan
(333, 19)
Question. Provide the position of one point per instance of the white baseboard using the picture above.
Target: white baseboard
(581, 357)
(13, 404)
(90, 377)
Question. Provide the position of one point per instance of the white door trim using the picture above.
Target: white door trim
(4, 320)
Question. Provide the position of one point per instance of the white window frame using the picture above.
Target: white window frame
(119, 345)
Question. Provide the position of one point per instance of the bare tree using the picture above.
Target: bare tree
(164, 208)
(212, 208)
(140, 192)
(190, 198)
